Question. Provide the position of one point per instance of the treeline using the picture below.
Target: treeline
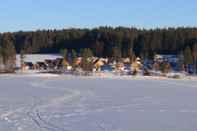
(103, 41)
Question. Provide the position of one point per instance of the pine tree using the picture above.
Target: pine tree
(116, 53)
(87, 53)
(74, 56)
(8, 51)
(64, 53)
(22, 57)
(194, 52)
(1, 52)
(188, 56)
(98, 48)
(1, 58)
(130, 50)
(188, 59)
(181, 61)
(86, 63)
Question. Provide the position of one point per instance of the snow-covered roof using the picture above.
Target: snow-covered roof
(165, 56)
(169, 57)
(36, 58)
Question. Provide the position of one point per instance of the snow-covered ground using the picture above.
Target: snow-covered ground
(46, 102)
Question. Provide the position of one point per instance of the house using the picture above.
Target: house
(127, 67)
(58, 63)
(27, 66)
(98, 63)
(126, 60)
(173, 60)
(39, 61)
(112, 63)
(107, 68)
(120, 66)
(41, 66)
(77, 61)
(136, 65)
(50, 63)
(169, 58)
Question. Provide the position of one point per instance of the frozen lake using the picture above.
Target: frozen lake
(32, 103)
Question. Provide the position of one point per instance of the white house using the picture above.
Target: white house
(169, 58)
(34, 58)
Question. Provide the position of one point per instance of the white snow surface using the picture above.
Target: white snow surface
(46, 102)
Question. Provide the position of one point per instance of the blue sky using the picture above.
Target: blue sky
(25, 15)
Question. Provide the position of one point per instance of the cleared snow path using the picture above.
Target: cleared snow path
(33, 103)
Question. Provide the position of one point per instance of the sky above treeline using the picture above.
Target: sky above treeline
(26, 15)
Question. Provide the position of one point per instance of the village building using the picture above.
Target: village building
(168, 58)
(171, 60)
(77, 61)
(126, 60)
(120, 66)
(107, 68)
(39, 62)
(136, 65)
(98, 63)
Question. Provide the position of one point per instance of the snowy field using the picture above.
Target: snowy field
(60, 103)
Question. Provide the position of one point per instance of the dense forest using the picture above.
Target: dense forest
(103, 41)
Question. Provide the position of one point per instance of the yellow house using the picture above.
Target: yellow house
(136, 65)
(98, 63)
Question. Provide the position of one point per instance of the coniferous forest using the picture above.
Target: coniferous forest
(103, 41)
